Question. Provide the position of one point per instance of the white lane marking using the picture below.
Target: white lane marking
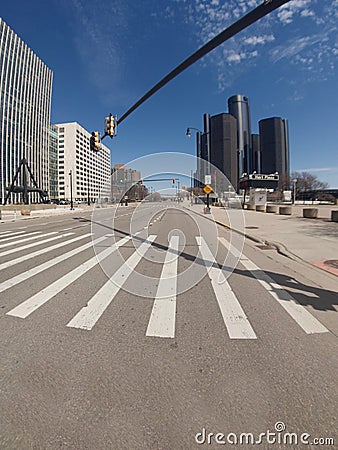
(87, 317)
(12, 237)
(13, 262)
(44, 266)
(31, 238)
(235, 320)
(33, 244)
(27, 307)
(10, 233)
(73, 228)
(162, 319)
(297, 311)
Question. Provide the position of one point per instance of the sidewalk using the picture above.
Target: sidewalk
(14, 214)
(312, 240)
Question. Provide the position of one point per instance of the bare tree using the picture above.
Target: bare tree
(308, 182)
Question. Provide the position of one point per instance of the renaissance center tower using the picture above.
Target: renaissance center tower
(239, 108)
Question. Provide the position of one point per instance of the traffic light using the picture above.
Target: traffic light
(109, 127)
(95, 141)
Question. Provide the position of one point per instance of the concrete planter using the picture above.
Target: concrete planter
(251, 207)
(271, 208)
(260, 208)
(285, 210)
(334, 216)
(310, 213)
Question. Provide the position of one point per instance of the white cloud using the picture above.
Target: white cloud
(285, 16)
(234, 57)
(295, 46)
(319, 169)
(254, 40)
(307, 13)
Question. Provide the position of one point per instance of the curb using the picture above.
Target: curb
(280, 248)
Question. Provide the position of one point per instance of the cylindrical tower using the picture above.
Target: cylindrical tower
(239, 108)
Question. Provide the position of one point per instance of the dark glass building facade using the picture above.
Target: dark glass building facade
(256, 153)
(239, 108)
(274, 144)
(223, 148)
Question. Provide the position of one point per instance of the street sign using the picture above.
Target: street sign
(258, 180)
(207, 179)
(207, 189)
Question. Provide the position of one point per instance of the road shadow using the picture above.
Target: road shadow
(306, 295)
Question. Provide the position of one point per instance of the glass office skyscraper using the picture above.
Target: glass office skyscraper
(25, 98)
(239, 108)
(274, 137)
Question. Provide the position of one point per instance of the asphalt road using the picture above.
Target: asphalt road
(135, 328)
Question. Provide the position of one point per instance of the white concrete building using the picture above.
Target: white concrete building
(25, 99)
(90, 171)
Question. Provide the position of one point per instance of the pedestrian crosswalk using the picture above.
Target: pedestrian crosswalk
(163, 319)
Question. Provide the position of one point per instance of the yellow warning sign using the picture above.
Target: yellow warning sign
(207, 189)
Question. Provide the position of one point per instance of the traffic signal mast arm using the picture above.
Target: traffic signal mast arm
(160, 179)
(262, 10)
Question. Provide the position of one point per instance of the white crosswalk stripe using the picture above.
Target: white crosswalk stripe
(162, 319)
(87, 317)
(10, 233)
(20, 259)
(32, 244)
(30, 238)
(47, 265)
(11, 238)
(235, 320)
(301, 315)
(26, 308)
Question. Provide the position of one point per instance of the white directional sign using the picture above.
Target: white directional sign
(207, 179)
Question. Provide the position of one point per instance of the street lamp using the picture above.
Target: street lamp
(71, 189)
(207, 166)
(88, 198)
(294, 181)
(207, 134)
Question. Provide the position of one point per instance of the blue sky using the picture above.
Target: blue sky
(106, 54)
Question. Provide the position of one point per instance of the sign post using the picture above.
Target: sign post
(207, 189)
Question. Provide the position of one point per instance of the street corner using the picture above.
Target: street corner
(329, 265)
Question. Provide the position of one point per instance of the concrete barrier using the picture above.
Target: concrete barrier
(271, 208)
(8, 215)
(285, 210)
(260, 208)
(310, 213)
(251, 207)
(334, 216)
